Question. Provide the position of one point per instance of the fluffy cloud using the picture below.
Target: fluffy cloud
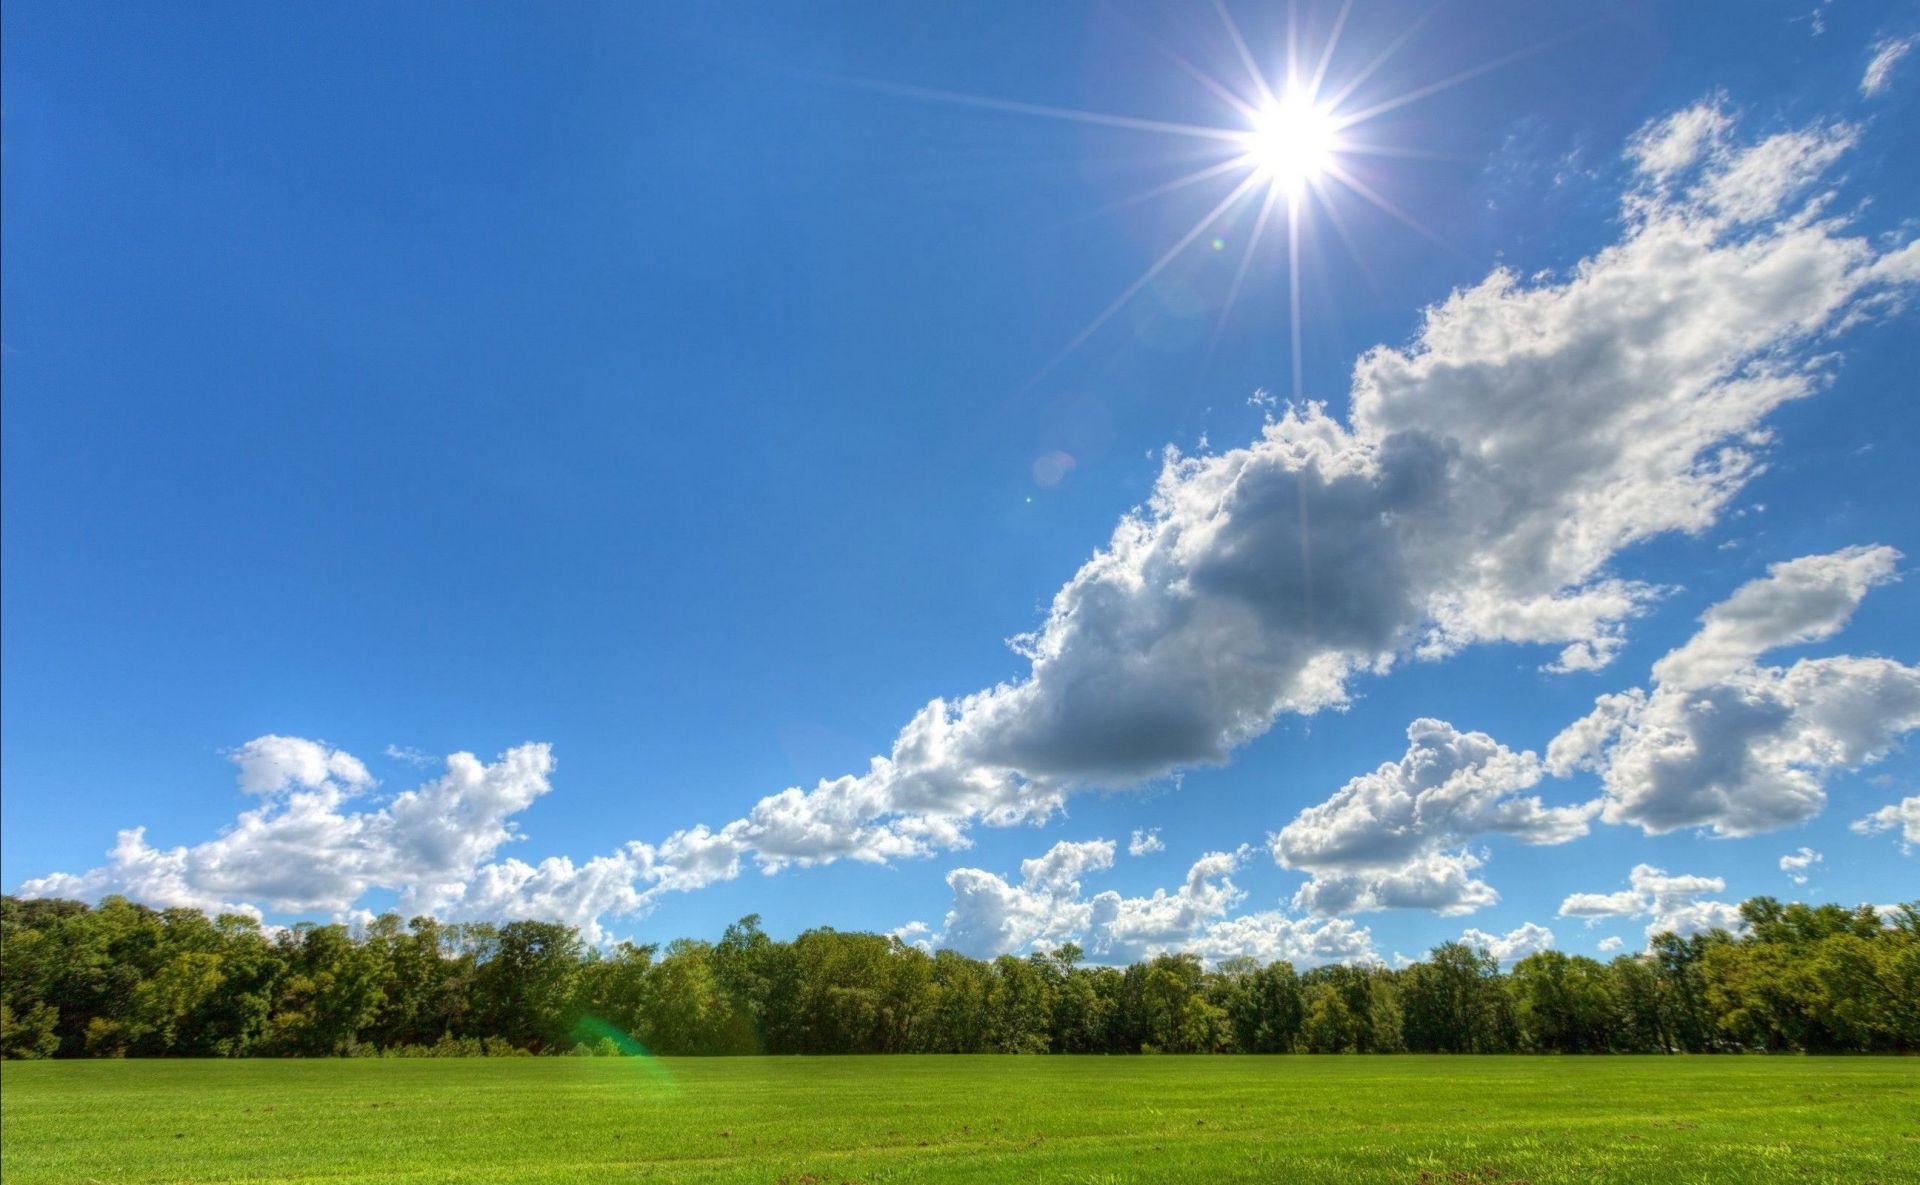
(273, 764)
(1902, 816)
(1795, 864)
(1671, 903)
(1611, 943)
(1145, 842)
(1387, 839)
(305, 850)
(1723, 742)
(1509, 948)
(1483, 479)
(1879, 71)
(1048, 907)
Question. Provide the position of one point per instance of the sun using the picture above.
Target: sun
(1292, 141)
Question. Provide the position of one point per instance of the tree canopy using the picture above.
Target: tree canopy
(121, 979)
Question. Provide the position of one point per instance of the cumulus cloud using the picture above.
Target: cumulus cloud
(1048, 906)
(1395, 838)
(1796, 864)
(1509, 948)
(1671, 903)
(1484, 478)
(273, 764)
(1886, 54)
(1726, 743)
(1902, 817)
(304, 849)
(1145, 842)
(1611, 943)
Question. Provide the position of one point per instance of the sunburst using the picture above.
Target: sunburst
(1287, 151)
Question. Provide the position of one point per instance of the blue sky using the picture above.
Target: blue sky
(682, 389)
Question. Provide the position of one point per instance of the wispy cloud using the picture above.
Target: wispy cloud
(1886, 54)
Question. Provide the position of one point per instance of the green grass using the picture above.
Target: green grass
(809, 1121)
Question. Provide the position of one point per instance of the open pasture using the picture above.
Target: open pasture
(978, 1119)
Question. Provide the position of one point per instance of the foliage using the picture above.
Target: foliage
(122, 980)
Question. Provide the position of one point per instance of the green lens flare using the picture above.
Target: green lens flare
(613, 1041)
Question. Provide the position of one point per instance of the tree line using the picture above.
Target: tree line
(120, 979)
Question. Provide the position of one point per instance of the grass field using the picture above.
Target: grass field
(814, 1121)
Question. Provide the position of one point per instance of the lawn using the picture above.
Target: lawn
(812, 1121)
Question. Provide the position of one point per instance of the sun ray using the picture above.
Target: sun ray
(1240, 273)
(1071, 114)
(1326, 54)
(1161, 190)
(1159, 265)
(1381, 108)
(1240, 106)
(1339, 221)
(1293, 45)
(1293, 293)
(1380, 59)
(1366, 191)
(1254, 71)
(1361, 148)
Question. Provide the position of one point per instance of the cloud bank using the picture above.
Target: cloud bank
(1048, 907)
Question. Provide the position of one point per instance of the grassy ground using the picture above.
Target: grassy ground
(816, 1121)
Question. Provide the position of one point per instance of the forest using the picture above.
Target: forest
(124, 980)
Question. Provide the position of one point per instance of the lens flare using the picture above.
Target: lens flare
(597, 1034)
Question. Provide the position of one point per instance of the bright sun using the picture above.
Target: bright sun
(1292, 141)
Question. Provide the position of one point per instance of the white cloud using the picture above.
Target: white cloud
(1902, 816)
(1145, 841)
(1676, 903)
(1388, 839)
(1796, 864)
(410, 755)
(1880, 70)
(1509, 948)
(1489, 472)
(1723, 742)
(273, 764)
(1048, 906)
(1611, 943)
(304, 850)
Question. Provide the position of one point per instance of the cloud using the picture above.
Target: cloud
(1671, 903)
(410, 755)
(1879, 71)
(1145, 842)
(1509, 948)
(1386, 839)
(273, 764)
(1723, 742)
(1048, 907)
(304, 850)
(1795, 864)
(1485, 477)
(1611, 943)
(1902, 816)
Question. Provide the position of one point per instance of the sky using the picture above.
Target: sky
(1310, 482)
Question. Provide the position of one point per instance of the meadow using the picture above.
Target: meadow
(813, 1121)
